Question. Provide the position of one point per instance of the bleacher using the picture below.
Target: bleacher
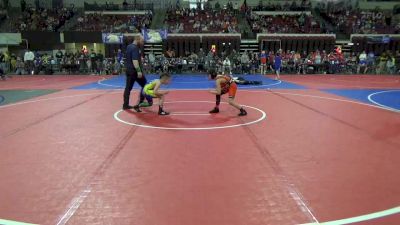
(348, 20)
(113, 23)
(283, 22)
(201, 21)
(41, 19)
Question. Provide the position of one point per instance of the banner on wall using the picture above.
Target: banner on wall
(379, 39)
(10, 38)
(112, 38)
(154, 36)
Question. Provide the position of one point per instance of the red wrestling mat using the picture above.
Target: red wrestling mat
(66, 158)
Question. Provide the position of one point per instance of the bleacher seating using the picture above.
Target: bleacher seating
(201, 21)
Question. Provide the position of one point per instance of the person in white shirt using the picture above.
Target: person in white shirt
(28, 59)
(226, 66)
(244, 59)
(362, 62)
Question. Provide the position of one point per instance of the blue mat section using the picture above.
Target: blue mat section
(385, 98)
(192, 82)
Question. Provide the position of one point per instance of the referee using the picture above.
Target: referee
(134, 71)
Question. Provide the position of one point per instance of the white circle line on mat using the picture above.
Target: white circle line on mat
(263, 116)
(361, 218)
(382, 105)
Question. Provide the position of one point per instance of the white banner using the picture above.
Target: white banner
(10, 38)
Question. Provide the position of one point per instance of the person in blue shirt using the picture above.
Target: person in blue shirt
(134, 72)
(370, 62)
(277, 65)
(120, 56)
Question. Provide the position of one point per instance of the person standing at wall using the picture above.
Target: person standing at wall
(277, 65)
(93, 61)
(263, 59)
(28, 59)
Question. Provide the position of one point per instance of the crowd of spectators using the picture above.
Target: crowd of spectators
(79, 62)
(111, 6)
(301, 23)
(315, 62)
(185, 20)
(352, 20)
(113, 23)
(40, 19)
(304, 5)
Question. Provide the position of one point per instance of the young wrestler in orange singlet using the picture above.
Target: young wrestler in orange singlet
(225, 84)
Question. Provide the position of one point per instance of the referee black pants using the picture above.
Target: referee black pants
(131, 77)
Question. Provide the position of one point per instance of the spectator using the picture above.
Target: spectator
(382, 63)
(397, 61)
(277, 65)
(170, 53)
(297, 62)
(263, 59)
(13, 63)
(245, 60)
(37, 65)
(59, 56)
(99, 62)
(193, 57)
(370, 62)
(390, 64)
(317, 58)
(271, 59)
(19, 66)
(152, 58)
(2, 61)
(333, 62)
(28, 59)
(120, 56)
(93, 59)
(362, 62)
(227, 66)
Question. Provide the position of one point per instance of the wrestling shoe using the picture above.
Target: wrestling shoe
(242, 112)
(137, 108)
(126, 107)
(163, 113)
(215, 110)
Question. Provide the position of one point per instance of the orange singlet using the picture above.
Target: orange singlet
(228, 85)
